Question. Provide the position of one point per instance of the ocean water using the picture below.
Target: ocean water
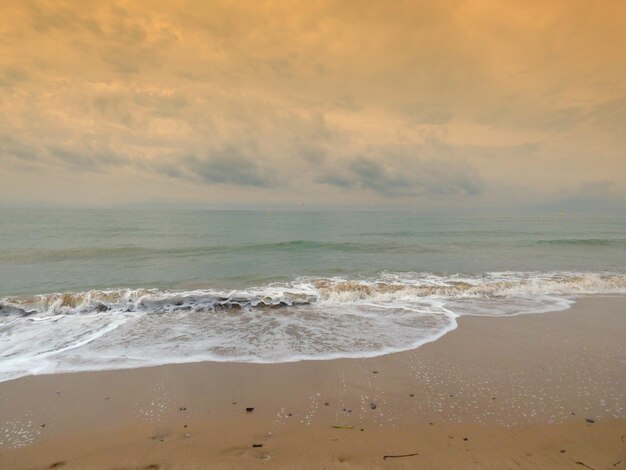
(101, 289)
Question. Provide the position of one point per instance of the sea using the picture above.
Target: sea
(96, 289)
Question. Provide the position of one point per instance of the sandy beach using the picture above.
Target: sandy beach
(532, 391)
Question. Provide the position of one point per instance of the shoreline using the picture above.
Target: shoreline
(514, 386)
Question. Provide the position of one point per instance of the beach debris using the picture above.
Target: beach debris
(589, 420)
(584, 465)
(385, 457)
(562, 451)
(58, 464)
(374, 372)
(250, 409)
(411, 395)
(373, 406)
(257, 445)
(182, 408)
(337, 426)
(326, 403)
(159, 436)
(43, 425)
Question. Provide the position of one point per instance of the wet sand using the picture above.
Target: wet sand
(533, 391)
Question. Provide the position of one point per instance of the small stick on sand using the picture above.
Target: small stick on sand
(584, 465)
(385, 457)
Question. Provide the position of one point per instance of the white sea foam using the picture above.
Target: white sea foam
(309, 318)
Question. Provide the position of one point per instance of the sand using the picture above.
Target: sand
(533, 391)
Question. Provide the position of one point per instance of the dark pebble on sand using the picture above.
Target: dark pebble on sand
(373, 406)
(562, 451)
(289, 414)
(43, 425)
(257, 445)
(590, 421)
(185, 426)
(326, 404)
(249, 410)
(411, 395)
(493, 398)
(362, 429)
(182, 408)
(375, 372)
(465, 439)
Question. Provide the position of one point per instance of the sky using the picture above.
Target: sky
(453, 103)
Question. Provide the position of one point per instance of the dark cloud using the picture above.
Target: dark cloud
(87, 158)
(402, 174)
(10, 147)
(371, 175)
(224, 167)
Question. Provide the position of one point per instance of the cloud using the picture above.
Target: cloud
(11, 76)
(226, 166)
(412, 101)
(427, 113)
(87, 158)
(401, 172)
(10, 147)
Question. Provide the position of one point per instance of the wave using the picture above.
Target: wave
(585, 241)
(388, 287)
(305, 319)
(134, 252)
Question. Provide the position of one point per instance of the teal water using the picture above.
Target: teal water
(57, 250)
(104, 289)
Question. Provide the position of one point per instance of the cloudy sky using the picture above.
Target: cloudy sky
(409, 103)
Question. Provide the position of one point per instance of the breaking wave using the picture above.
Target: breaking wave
(308, 318)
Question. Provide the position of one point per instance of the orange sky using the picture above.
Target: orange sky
(409, 103)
